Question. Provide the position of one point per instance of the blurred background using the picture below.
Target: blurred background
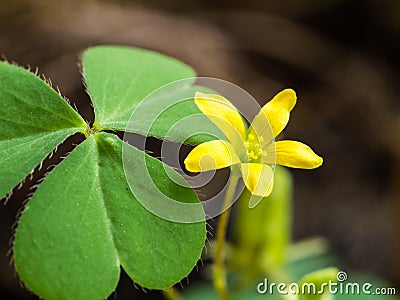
(341, 57)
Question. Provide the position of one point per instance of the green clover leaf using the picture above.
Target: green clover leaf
(84, 223)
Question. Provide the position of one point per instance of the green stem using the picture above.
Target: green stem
(220, 282)
(171, 294)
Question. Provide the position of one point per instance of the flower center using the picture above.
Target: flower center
(254, 150)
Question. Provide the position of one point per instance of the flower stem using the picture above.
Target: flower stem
(220, 282)
(171, 294)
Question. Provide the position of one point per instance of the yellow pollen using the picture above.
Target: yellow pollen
(251, 155)
(254, 151)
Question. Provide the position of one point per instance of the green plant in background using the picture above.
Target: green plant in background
(262, 248)
(83, 222)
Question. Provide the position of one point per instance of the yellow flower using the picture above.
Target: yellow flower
(254, 150)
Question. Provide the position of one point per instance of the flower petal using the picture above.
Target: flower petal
(258, 178)
(255, 200)
(294, 154)
(211, 156)
(274, 116)
(223, 114)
